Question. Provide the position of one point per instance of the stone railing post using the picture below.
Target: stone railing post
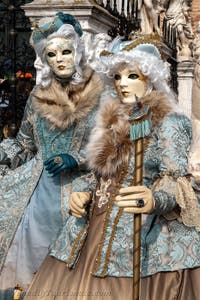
(185, 72)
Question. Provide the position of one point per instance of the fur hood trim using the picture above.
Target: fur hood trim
(109, 148)
(62, 105)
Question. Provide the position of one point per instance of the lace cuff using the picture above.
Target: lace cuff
(164, 190)
(177, 193)
(188, 202)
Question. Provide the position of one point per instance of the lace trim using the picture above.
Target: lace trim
(188, 202)
(108, 253)
(194, 169)
(79, 240)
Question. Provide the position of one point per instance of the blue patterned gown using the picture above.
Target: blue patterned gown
(33, 205)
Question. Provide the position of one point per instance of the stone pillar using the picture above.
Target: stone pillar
(185, 81)
(93, 18)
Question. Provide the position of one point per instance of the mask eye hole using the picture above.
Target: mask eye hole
(133, 76)
(66, 52)
(117, 77)
(51, 54)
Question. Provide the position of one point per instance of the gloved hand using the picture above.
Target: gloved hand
(136, 199)
(78, 202)
(57, 163)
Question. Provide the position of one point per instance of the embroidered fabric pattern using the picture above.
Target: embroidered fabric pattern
(10, 147)
(10, 211)
(67, 246)
(164, 202)
(103, 258)
(54, 141)
(78, 241)
(103, 193)
(74, 232)
(3, 170)
(175, 136)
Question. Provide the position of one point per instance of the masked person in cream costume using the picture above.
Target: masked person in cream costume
(96, 262)
(46, 160)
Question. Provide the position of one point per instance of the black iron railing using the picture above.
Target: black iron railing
(127, 15)
(16, 60)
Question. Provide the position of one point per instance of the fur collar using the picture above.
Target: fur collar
(110, 147)
(63, 105)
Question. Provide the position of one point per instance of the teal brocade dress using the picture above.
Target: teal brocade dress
(33, 205)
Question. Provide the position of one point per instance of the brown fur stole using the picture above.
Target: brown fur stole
(110, 147)
(63, 105)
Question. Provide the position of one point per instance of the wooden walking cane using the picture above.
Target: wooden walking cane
(139, 129)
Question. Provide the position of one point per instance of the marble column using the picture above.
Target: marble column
(185, 74)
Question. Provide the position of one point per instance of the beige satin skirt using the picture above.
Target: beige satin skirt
(54, 281)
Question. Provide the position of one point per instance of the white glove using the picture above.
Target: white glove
(78, 202)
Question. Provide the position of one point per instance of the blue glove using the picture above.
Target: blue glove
(58, 163)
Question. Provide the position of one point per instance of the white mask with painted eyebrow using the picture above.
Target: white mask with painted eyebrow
(60, 57)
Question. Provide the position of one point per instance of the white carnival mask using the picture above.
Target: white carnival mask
(60, 56)
(129, 83)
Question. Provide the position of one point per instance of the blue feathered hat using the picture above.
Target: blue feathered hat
(42, 32)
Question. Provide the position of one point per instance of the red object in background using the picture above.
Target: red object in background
(19, 74)
(26, 75)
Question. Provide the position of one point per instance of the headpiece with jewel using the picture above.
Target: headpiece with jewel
(42, 32)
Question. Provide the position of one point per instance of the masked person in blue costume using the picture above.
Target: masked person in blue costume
(96, 261)
(46, 160)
